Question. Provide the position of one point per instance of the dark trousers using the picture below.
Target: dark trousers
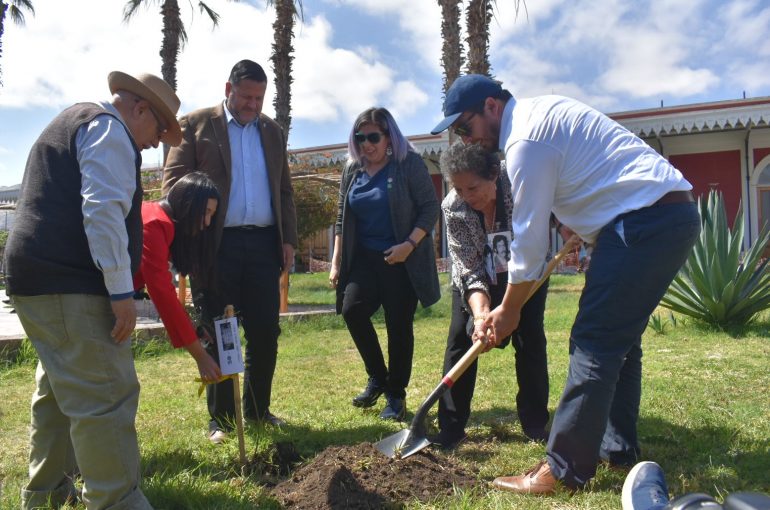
(248, 272)
(634, 260)
(372, 283)
(529, 343)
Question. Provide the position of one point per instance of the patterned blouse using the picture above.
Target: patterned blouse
(466, 238)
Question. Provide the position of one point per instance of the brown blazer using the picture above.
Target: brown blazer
(205, 148)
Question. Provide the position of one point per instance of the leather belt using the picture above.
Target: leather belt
(675, 197)
(248, 228)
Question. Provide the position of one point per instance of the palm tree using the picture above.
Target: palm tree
(174, 34)
(477, 17)
(286, 11)
(16, 10)
(451, 49)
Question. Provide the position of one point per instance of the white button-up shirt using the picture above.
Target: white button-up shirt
(567, 158)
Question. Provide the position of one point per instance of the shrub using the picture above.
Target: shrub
(720, 284)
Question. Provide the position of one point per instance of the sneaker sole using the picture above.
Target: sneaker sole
(627, 495)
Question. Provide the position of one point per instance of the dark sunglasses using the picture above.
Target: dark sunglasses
(371, 137)
(464, 129)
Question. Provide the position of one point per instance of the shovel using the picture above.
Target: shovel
(410, 441)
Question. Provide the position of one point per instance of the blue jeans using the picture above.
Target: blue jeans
(635, 258)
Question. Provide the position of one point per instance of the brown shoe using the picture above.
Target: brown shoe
(537, 480)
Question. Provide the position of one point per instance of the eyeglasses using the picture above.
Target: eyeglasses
(372, 138)
(161, 127)
(464, 129)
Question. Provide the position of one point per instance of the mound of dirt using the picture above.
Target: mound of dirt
(359, 477)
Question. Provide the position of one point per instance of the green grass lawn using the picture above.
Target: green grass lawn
(705, 413)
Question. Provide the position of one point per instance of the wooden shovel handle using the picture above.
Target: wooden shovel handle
(470, 356)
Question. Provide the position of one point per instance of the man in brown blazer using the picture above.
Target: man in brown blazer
(244, 153)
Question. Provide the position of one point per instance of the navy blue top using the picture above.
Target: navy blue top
(368, 199)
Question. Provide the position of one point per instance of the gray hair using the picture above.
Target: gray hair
(473, 158)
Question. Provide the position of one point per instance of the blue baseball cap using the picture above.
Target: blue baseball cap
(465, 93)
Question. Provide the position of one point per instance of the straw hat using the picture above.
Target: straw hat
(160, 95)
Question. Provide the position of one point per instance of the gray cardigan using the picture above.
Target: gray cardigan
(413, 203)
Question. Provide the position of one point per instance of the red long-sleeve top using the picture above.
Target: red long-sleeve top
(155, 274)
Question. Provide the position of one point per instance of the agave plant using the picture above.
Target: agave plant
(721, 284)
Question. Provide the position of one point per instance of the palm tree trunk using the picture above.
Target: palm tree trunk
(169, 50)
(478, 15)
(283, 30)
(451, 50)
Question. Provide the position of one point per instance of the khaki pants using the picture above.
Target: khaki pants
(84, 407)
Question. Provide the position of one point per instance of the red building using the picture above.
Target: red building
(722, 145)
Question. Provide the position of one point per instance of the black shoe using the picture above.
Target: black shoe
(395, 410)
(369, 396)
(448, 441)
(537, 435)
(271, 419)
(268, 419)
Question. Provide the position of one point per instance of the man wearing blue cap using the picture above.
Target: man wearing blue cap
(637, 211)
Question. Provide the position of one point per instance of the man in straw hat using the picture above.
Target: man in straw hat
(637, 211)
(76, 242)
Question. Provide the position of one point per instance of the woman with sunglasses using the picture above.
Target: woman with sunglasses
(476, 210)
(175, 230)
(383, 252)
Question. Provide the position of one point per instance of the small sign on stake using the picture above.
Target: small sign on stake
(229, 346)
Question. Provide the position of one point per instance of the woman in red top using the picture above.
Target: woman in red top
(176, 231)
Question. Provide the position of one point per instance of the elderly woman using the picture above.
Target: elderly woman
(477, 213)
(383, 252)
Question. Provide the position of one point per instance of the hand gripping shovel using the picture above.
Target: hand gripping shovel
(410, 441)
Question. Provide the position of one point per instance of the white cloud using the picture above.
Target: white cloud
(405, 98)
(420, 19)
(602, 51)
(331, 84)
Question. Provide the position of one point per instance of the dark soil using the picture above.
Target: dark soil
(281, 459)
(359, 477)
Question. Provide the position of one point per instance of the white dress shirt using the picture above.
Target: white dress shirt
(567, 158)
(107, 162)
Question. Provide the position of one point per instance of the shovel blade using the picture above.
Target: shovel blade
(402, 444)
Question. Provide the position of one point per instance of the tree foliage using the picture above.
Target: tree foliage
(720, 284)
(316, 205)
(174, 33)
(15, 9)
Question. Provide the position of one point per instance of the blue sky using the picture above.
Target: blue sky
(615, 55)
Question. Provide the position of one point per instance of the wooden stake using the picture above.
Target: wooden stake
(182, 289)
(230, 312)
(284, 292)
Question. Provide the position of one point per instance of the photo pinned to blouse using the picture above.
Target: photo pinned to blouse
(499, 244)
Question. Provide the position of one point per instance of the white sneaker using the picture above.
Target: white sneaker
(645, 488)
(218, 436)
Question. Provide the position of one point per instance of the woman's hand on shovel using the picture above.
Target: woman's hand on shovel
(480, 334)
(500, 323)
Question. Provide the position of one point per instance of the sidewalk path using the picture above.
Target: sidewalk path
(147, 324)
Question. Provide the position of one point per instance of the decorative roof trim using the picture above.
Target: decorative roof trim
(697, 118)
(653, 122)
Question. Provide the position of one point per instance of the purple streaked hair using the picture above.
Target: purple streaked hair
(382, 118)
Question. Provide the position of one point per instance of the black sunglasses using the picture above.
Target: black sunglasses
(371, 137)
(464, 129)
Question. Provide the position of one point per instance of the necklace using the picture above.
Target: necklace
(489, 219)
